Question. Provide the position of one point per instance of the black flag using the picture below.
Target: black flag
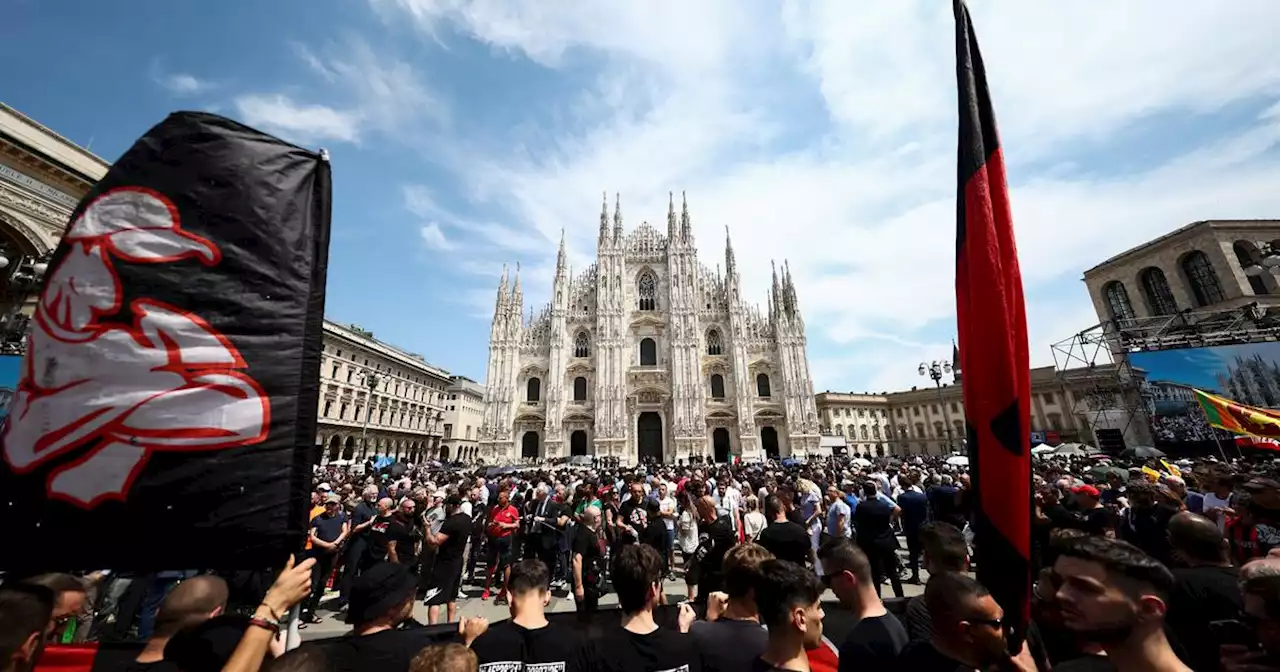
(166, 409)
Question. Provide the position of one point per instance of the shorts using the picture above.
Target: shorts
(692, 572)
(446, 579)
(500, 552)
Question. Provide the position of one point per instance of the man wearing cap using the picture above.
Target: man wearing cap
(381, 599)
(328, 531)
(1097, 519)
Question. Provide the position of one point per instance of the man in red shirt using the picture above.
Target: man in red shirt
(504, 520)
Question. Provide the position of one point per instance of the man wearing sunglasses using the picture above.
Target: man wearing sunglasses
(69, 601)
(968, 630)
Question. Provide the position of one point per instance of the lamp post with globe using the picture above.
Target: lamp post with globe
(936, 370)
(370, 380)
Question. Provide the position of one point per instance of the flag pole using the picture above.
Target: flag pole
(1213, 430)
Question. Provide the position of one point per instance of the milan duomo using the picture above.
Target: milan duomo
(648, 355)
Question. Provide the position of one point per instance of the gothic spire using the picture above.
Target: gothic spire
(517, 294)
(774, 295)
(560, 261)
(789, 287)
(684, 216)
(671, 217)
(604, 216)
(617, 217)
(730, 263)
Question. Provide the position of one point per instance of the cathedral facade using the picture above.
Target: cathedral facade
(648, 354)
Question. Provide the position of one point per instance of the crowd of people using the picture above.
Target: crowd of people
(1136, 567)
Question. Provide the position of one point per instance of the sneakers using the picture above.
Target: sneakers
(485, 595)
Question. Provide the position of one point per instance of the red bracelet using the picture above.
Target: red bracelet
(265, 625)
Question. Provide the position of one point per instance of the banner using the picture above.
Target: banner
(10, 370)
(167, 404)
(991, 318)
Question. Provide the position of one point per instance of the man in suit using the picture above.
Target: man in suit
(915, 512)
(549, 519)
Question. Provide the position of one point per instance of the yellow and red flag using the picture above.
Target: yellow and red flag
(1238, 418)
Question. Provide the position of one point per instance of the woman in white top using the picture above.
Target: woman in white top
(753, 522)
(687, 541)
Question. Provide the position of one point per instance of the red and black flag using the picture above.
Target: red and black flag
(992, 322)
(166, 407)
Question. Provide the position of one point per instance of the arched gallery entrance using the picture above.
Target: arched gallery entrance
(578, 443)
(649, 437)
(769, 442)
(335, 447)
(444, 453)
(720, 444)
(529, 445)
(349, 450)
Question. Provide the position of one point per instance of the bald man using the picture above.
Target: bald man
(191, 602)
(1206, 588)
(715, 538)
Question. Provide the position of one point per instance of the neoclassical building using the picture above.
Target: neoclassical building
(463, 416)
(42, 177)
(648, 354)
(376, 399)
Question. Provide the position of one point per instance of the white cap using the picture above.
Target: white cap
(324, 486)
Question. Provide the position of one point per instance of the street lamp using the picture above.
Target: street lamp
(370, 380)
(935, 370)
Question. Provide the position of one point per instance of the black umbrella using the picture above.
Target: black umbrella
(1141, 453)
(394, 470)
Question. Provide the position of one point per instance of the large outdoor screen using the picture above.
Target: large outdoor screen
(1249, 374)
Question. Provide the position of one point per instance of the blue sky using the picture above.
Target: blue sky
(468, 133)
(1199, 367)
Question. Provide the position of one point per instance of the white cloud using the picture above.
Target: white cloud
(435, 239)
(824, 133)
(185, 84)
(299, 122)
(368, 92)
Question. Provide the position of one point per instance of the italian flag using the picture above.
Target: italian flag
(1238, 418)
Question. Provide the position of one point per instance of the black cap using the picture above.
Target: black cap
(378, 589)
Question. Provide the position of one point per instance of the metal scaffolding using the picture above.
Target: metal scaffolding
(1097, 358)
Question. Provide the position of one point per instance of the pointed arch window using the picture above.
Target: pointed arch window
(717, 386)
(647, 290)
(762, 385)
(1202, 278)
(1155, 289)
(533, 390)
(648, 352)
(579, 389)
(714, 345)
(1118, 300)
(581, 345)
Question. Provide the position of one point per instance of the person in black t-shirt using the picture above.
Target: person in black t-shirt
(403, 535)
(873, 524)
(586, 561)
(788, 597)
(328, 531)
(784, 538)
(878, 637)
(356, 558)
(378, 538)
(528, 639)
(968, 630)
(715, 538)
(1206, 587)
(381, 600)
(732, 637)
(655, 531)
(632, 517)
(190, 602)
(451, 545)
(639, 645)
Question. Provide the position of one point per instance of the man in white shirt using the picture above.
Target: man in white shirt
(731, 501)
(667, 509)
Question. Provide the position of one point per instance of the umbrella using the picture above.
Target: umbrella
(1141, 453)
(861, 461)
(1040, 449)
(1073, 449)
(958, 460)
(1100, 472)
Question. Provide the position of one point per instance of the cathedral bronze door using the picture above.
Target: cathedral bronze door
(720, 444)
(578, 443)
(529, 445)
(649, 437)
(769, 443)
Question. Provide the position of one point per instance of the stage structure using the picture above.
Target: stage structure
(1118, 407)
